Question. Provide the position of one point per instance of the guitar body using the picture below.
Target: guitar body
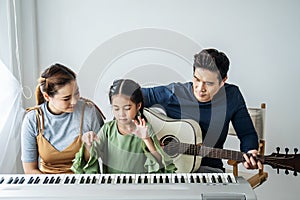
(182, 131)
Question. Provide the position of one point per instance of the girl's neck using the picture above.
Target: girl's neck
(123, 129)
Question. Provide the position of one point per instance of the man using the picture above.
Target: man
(212, 103)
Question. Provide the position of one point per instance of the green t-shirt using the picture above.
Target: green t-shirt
(122, 154)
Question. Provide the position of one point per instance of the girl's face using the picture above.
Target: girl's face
(124, 109)
(65, 100)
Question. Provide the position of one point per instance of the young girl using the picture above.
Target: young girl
(126, 144)
(52, 130)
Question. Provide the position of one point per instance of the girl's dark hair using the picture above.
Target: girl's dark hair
(52, 79)
(212, 60)
(129, 88)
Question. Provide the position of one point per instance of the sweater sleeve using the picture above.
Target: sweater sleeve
(156, 95)
(243, 126)
(80, 166)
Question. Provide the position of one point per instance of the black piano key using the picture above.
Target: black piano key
(94, 180)
(30, 180)
(167, 180)
(46, 180)
(146, 179)
(10, 180)
(161, 180)
(109, 179)
(154, 179)
(139, 179)
(220, 179)
(52, 179)
(58, 179)
(82, 180)
(37, 180)
(198, 179)
(1, 180)
(118, 179)
(124, 179)
(192, 179)
(102, 180)
(213, 179)
(73, 180)
(88, 180)
(16, 180)
(176, 179)
(67, 180)
(130, 179)
(204, 179)
(229, 179)
(182, 180)
(22, 180)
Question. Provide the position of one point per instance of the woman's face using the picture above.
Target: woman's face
(124, 109)
(65, 100)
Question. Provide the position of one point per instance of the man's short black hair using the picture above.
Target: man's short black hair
(212, 60)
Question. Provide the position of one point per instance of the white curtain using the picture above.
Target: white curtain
(11, 115)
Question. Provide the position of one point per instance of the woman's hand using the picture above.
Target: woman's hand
(141, 129)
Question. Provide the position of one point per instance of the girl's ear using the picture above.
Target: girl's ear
(138, 106)
(46, 96)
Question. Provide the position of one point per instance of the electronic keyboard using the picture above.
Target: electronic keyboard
(185, 186)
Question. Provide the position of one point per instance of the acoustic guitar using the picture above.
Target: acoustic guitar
(181, 140)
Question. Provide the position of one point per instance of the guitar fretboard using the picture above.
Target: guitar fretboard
(203, 151)
(220, 153)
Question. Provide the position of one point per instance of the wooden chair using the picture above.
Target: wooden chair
(258, 118)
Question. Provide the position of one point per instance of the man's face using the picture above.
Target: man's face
(206, 84)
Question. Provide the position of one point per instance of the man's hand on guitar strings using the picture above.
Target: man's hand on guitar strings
(252, 162)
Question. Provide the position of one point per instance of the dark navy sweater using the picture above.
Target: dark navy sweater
(214, 116)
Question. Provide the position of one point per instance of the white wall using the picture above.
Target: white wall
(260, 37)
(4, 39)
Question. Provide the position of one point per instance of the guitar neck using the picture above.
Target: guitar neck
(276, 160)
(210, 152)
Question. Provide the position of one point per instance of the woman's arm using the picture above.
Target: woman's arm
(31, 168)
(29, 144)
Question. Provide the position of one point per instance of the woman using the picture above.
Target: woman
(52, 130)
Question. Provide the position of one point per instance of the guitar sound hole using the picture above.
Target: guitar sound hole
(170, 145)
